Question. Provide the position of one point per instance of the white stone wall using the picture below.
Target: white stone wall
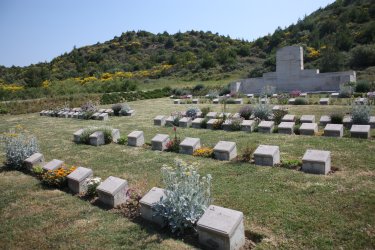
(290, 75)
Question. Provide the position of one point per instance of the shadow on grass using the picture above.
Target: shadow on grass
(6, 168)
(189, 237)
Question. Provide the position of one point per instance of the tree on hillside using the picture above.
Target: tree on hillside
(244, 50)
(208, 61)
(169, 43)
(226, 56)
(344, 40)
(331, 60)
(35, 75)
(362, 56)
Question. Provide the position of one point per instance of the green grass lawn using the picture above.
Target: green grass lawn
(290, 209)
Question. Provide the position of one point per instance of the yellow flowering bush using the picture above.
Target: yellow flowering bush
(45, 84)
(105, 77)
(204, 152)
(122, 74)
(313, 53)
(12, 87)
(86, 79)
(57, 178)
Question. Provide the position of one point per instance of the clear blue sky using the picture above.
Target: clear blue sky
(35, 31)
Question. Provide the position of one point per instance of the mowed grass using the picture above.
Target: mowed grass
(290, 209)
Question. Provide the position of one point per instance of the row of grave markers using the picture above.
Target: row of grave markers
(322, 101)
(313, 161)
(218, 228)
(308, 127)
(101, 114)
(264, 155)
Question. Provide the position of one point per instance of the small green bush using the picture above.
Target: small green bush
(346, 91)
(37, 170)
(246, 154)
(204, 123)
(230, 101)
(298, 121)
(205, 111)
(246, 111)
(296, 129)
(3, 110)
(278, 115)
(87, 114)
(282, 99)
(218, 124)
(290, 164)
(116, 108)
(107, 131)
(198, 87)
(173, 145)
(92, 183)
(363, 56)
(110, 98)
(300, 101)
(225, 90)
(122, 140)
(176, 121)
(236, 124)
(120, 109)
(363, 87)
(275, 130)
(336, 118)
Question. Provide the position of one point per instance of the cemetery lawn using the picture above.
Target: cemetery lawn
(286, 208)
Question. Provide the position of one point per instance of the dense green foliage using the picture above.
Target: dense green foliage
(337, 118)
(107, 131)
(338, 37)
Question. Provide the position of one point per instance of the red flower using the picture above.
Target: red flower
(174, 129)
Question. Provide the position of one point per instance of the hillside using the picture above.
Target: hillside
(338, 37)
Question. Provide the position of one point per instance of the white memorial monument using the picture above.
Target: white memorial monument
(290, 75)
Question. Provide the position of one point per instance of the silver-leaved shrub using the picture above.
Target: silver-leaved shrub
(192, 112)
(262, 111)
(361, 114)
(18, 146)
(187, 196)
